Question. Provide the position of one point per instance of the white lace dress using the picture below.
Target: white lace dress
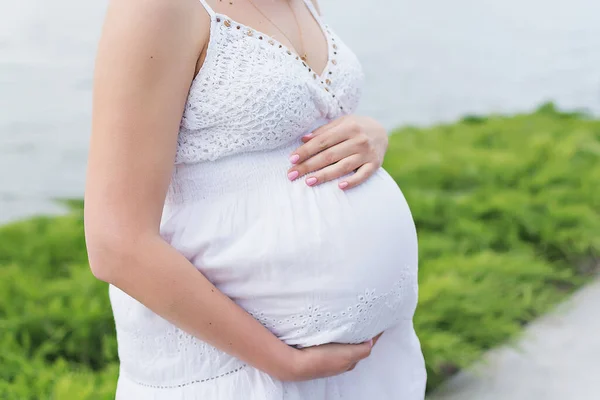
(313, 264)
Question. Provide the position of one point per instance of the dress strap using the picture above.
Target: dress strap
(312, 8)
(208, 8)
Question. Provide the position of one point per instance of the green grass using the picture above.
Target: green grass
(507, 210)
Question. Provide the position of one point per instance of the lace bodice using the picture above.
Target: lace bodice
(253, 93)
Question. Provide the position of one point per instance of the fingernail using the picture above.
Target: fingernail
(311, 181)
(294, 158)
(293, 175)
(343, 184)
(371, 343)
(308, 135)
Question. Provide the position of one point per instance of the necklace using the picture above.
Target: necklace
(303, 55)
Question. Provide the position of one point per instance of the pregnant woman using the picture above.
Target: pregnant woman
(254, 246)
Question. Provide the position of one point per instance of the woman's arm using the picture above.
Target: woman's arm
(146, 61)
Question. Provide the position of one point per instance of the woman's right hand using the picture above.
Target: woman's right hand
(327, 360)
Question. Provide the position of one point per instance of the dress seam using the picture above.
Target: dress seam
(194, 382)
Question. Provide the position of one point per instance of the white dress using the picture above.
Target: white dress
(313, 264)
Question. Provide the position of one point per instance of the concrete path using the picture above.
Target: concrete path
(557, 359)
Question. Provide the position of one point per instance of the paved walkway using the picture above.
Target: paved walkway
(557, 359)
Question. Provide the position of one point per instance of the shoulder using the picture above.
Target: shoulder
(156, 23)
(153, 11)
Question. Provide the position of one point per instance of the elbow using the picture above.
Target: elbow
(109, 256)
(101, 271)
(115, 245)
(104, 257)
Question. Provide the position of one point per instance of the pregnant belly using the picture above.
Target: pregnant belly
(313, 264)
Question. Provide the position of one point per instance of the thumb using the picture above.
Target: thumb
(363, 350)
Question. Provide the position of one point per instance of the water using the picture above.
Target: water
(426, 61)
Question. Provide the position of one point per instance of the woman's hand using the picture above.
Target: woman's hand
(327, 360)
(350, 143)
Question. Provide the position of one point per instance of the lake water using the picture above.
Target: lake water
(426, 61)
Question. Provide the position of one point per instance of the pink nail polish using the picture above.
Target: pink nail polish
(294, 158)
(311, 181)
(371, 343)
(308, 135)
(293, 175)
(343, 184)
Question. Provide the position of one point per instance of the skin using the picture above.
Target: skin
(149, 52)
(350, 143)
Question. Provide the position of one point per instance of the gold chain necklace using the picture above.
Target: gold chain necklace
(303, 52)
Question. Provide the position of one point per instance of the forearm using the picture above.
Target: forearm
(163, 280)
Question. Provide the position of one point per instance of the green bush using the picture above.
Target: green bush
(57, 336)
(507, 212)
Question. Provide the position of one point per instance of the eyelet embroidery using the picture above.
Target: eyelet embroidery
(274, 122)
(360, 316)
(251, 32)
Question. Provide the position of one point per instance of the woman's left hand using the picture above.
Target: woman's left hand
(349, 143)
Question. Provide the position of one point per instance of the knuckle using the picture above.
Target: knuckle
(347, 167)
(310, 165)
(363, 140)
(301, 169)
(354, 126)
(329, 158)
(322, 143)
